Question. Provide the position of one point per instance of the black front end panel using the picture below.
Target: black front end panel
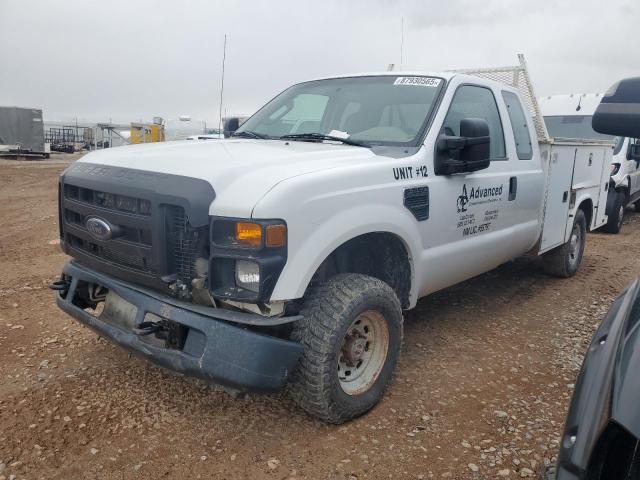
(158, 223)
(140, 241)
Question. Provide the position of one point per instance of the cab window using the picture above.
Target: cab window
(472, 101)
(519, 126)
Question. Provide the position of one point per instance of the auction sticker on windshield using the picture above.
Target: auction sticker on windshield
(418, 81)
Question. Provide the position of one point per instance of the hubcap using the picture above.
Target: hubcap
(363, 352)
(574, 244)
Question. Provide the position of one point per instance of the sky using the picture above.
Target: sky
(132, 60)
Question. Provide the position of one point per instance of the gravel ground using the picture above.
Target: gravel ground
(482, 388)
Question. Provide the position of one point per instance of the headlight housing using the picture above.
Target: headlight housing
(247, 257)
(249, 234)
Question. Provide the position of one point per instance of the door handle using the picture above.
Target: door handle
(513, 188)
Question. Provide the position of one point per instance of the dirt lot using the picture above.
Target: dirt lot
(482, 387)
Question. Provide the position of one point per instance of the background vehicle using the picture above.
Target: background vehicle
(284, 256)
(569, 116)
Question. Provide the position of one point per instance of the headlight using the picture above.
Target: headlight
(246, 257)
(248, 275)
(247, 234)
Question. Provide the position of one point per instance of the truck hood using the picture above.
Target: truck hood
(241, 171)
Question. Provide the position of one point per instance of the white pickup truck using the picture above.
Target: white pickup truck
(287, 254)
(569, 116)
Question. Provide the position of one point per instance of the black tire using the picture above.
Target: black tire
(636, 206)
(615, 213)
(548, 473)
(330, 310)
(564, 261)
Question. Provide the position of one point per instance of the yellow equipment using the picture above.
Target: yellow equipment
(147, 132)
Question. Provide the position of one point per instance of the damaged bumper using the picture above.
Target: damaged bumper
(213, 347)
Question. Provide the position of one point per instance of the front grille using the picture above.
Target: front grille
(155, 243)
(112, 255)
(131, 249)
(110, 201)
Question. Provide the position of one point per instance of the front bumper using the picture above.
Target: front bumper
(214, 350)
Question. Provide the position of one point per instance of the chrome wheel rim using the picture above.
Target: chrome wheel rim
(363, 352)
(574, 244)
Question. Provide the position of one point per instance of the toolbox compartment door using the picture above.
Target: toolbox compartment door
(561, 160)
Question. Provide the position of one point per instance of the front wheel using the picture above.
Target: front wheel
(352, 334)
(564, 261)
(616, 214)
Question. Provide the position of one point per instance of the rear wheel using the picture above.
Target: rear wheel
(564, 261)
(636, 206)
(616, 214)
(351, 333)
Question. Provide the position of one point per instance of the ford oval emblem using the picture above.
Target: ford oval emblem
(99, 228)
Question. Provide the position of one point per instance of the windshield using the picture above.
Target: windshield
(573, 126)
(376, 110)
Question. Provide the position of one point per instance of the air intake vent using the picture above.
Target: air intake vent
(183, 243)
(417, 201)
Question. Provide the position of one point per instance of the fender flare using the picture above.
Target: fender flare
(581, 198)
(313, 250)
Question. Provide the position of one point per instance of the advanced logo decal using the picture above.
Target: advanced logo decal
(463, 200)
(477, 196)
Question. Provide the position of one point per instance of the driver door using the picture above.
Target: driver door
(474, 215)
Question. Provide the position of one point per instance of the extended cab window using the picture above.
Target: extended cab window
(519, 125)
(471, 101)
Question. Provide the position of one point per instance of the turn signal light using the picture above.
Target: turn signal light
(276, 235)
(249, 234)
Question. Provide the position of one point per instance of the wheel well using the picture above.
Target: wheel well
(379, 254)
(587, 207)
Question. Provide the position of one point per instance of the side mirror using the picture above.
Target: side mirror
(619, 111)
(231, 124)
(465, 153)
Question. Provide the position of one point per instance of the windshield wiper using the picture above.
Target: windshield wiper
(322, 136)
(248, 134)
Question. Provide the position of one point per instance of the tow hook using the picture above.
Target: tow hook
(146, 328)
(61, 285)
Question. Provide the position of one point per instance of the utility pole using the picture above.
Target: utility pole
(224, 57)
